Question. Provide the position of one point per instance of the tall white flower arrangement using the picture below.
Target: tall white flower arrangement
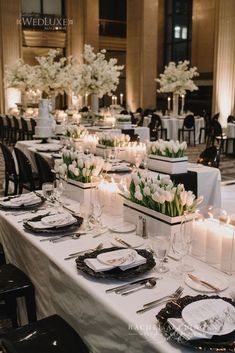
(21, 76)
(96, 74)
(177, 78)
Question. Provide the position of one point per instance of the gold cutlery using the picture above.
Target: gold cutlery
(202, 282)
(123, 242)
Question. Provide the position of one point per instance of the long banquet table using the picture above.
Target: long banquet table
(107, 322)
(207, 178)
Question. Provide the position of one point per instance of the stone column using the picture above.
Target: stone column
(141, 58)
(10, 47)
(91, 23)
(224, 63)
(75, 31)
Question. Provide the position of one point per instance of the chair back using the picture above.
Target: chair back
(139, 110)
(131, 133)
(1, 121)
(231, 119)
(9, 161)
(216, 117)
(189, 121)
(217, 129)
(25, 169)
(33, 125)
(158, 121)
(24, 125)
(16, 123)
(44, 170)
(124, 112)
(9, 122)
(210, 157)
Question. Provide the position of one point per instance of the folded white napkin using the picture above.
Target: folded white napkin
(25, 199)
(185, 331)
(97, 266)
(41, 225)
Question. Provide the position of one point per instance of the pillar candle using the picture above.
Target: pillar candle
(199, 238)
(228, 249)
(86, 99)
(182, 103)
(169, 103)
(213, 242)
(121, 99)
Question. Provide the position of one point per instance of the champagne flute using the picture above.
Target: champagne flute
(180, 247)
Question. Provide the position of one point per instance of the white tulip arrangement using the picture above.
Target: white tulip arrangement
(80, 167)
(177, 78)
(170, 149)
(121, 118)
(97, 75)
(108, 140)
(159, 194)
(76, 132)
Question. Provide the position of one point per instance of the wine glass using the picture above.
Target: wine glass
(60, 188)
(86, 213)
(180, 247)
(160, 247)
(138, 160)
(48, 191)
(97, 210)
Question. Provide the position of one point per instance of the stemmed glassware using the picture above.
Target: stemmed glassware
(181, 243)
(160, 246)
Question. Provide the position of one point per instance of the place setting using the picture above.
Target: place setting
(23, 202)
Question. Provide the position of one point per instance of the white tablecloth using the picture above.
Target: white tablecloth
(174, 124)
(142, 131)
(107, 322)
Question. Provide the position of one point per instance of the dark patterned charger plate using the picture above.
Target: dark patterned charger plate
(225, 343)
(116, 273)
(22, 207)
(55, 230)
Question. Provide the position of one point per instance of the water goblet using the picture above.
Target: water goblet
(160, 247)
(180, 247)
(48, 191)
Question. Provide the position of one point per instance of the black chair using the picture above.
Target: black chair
(124, 112)
(215, 117)
(27, 179)
(131, 133)
(15, 284)
(218, 136)
(156, 129)
(9, 130)
(26, 133)
(2, 256)
(2, 129)
(231, 119)
(84, 110)
(17, 131)
(210, 157)
(10, 170)
(44, 170)
(207, 129)
(188, 127)
(49, 335)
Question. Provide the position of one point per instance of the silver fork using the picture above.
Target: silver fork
(71, 256)
(168, 298)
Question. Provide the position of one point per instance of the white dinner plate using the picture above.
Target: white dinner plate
(218, 282)
(123, 227)
(133, 240)
(118, 257)
(210, 316)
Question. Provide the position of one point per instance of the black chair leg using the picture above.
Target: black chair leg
(15, 186)
(11, 308)
(31, 305)
(194, 137)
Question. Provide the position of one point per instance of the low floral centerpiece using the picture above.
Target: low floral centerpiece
(76, 132)
(107, 141)
(177, 78)
(167, 156)
(123, 121)
(163, 204)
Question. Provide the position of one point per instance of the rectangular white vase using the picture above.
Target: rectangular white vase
(155, 222)
(80, 192)
(168, 165)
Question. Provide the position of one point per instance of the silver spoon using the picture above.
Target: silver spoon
(148, 285)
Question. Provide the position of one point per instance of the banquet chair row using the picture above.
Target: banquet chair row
(26, 178)
(13, 129)
(207, 128)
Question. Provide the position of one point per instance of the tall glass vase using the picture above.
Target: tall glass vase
(175, 104)
(94, 103)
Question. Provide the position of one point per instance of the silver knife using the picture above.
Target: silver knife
(131, 284)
